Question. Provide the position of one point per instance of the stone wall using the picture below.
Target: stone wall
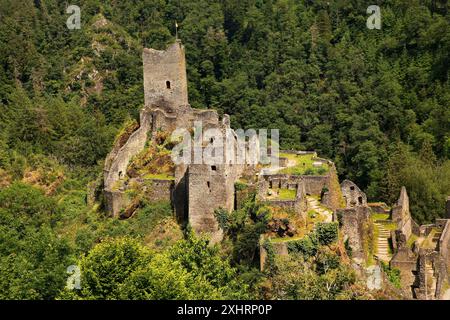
(406, 261)
(159, 190)
(401, 215)
(315, 184)
(355, 226)
(117, 162)
(279, 248)
(165, 75)
(115, 201)
(444, 244)
(298, 205)
(447, 208)
(379, 207)
(353, 195)
(209, 187)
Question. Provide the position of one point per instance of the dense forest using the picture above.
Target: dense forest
(376, 102)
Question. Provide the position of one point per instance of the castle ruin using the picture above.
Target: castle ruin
(302, 183)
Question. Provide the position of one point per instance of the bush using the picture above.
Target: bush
(327, 233)
(307, 246)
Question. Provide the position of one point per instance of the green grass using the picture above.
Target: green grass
(380, 216)
(390, 226)
(280, 240)
(287, 194)
(303, 165)
(160, 176)
(411, 240)
(283, 194)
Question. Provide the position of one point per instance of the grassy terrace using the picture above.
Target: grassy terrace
(160, 176)
(282, 194)
(303, 165)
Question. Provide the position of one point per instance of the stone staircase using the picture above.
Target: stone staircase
(383, 243)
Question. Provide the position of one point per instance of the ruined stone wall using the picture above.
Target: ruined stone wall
(116, 166)
(209, 187)
(165, 75)
(401, 215)
(379, 207)
(406, 261)
(298, 205)
(315, 184)
(447, 208)
(444, 244)
(334, 200)
(355, 226)
(115, 201)
(429, 280)
(159, 190)
(279, 248)
(353, 195)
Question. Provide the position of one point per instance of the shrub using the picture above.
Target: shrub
(327, 233)
(307, 246)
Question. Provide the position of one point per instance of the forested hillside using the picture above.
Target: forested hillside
(377, 102)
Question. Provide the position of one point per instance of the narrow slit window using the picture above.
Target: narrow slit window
(168, 84)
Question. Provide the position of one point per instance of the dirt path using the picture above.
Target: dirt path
(314, 204)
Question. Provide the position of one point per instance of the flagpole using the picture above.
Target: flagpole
(176, 30)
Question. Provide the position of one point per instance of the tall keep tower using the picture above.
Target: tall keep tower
(165, 80)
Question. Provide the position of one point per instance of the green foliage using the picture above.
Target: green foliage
(327, 233)
(125, 269)
(298, 279)
(306, 246)
(393, 274)
(33, 258)
(108, 265)
(427, 181)
(239, 186)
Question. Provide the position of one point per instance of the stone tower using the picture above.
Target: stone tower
(165, 80)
